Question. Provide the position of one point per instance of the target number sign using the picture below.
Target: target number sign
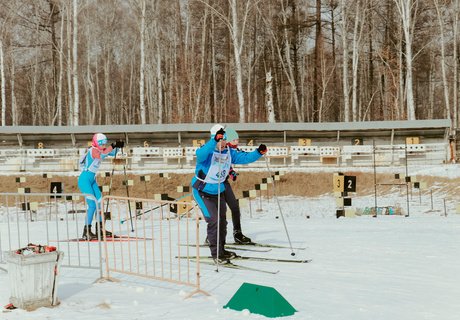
(344, 183)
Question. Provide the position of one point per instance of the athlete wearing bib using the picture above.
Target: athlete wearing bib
(213, 162)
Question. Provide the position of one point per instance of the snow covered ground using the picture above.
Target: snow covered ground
(389, 267)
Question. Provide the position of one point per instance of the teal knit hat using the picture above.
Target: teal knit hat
(231, 134)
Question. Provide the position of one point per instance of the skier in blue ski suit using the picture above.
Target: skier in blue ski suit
(213, 162)
(87, 183)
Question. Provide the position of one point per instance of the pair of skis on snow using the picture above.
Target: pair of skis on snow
(256, 247)
(114, 238)
(251, 246)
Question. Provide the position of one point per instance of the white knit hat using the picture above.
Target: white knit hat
(216, 128)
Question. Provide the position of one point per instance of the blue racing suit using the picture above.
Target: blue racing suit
(87, 184)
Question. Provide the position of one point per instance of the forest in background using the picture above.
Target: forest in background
(91, 62)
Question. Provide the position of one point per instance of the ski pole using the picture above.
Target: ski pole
(142, 213)
(157, 207)
(127, 194)
(218, 201)
(218, 208)
(110, 184)
(279, 206)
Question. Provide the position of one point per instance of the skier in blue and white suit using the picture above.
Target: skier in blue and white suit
(87, 184)
(213, 162)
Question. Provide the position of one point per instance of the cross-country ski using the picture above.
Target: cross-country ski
(264, 245)
(108, 239)
(267, 259)
(231, 247)
(232, 265)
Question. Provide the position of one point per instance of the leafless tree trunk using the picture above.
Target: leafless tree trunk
(407, 9)
(357, 33)
(70, 91)
(213, 71)
(318, 63)
(91, 104)
(142, 65)
(107, 90)
(201, 77)
(52, 20)
(76, 112)
(238, 42)
(346, 90)
(431, 89)
(327, 72)
(98, 93)
(159, 80)
(455, 62)
(290, 70)
(402, 93)
(269, 98)
(34, 100)
(372, 91)
(130, 115)
(61, 74)
(14, 110)
(443, 60)
(3, 80)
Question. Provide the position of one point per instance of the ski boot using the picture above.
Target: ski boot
(229, 255)
(108, 234)
(220, 260)
(88, 234)
(241, 238)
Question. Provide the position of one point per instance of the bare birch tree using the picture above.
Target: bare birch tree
(3, 80)
(407, 10)
(346, 89)
(14, 110)
(61, 74)
(443, 59)
(70, 91)
(237, 35)
(159, 74)
(142, 65)
(76, 112)
(356, 50)
(202, 68)
(455, 88)
(269, 98)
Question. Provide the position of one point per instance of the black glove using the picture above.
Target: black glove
(219, 134)
(118, 144)
(262, 149)
(233, 174)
